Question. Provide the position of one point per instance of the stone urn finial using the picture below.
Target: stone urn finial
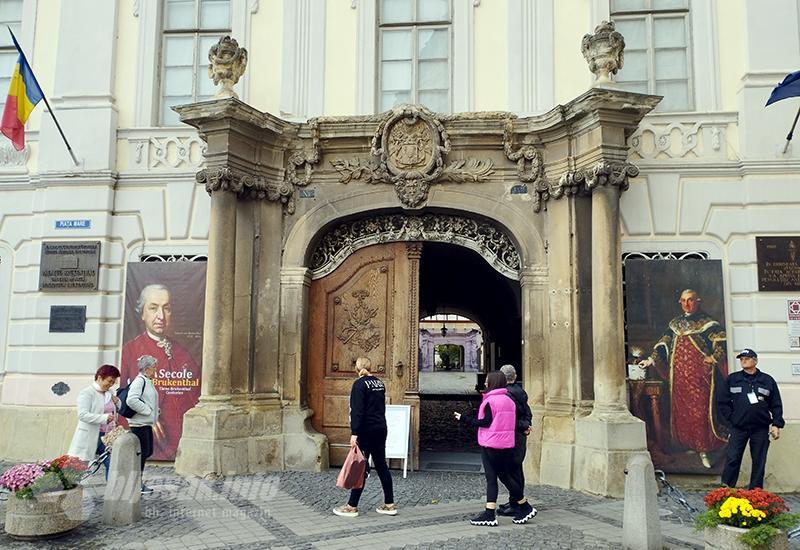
(227, 62)
(603, 50)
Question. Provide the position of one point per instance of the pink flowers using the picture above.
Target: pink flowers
(21, 476)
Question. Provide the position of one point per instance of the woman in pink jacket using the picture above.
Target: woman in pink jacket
(496, 422)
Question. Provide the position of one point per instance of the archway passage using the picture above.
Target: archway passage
(463, 293)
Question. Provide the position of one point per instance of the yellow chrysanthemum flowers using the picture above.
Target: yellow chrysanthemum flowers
(741, 506)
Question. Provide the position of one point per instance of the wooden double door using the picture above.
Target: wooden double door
(367, 307)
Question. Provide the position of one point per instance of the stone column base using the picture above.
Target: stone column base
(214, 441)
(303, 448)
(603, 446)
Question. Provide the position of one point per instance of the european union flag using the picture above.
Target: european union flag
(790, 87)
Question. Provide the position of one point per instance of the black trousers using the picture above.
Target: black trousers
(517, 458)
(374, 445)
(759, 444)
(145, 435)
(498, 464)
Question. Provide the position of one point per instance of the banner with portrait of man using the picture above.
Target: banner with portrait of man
(164, 305)
(677, 356)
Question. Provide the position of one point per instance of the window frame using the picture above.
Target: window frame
(650, 14)
(197, 34)
(414, 26)
(12, 50)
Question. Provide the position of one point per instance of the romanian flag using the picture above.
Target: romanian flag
(23, 95)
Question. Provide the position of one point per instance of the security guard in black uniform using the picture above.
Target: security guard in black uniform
(750, 404)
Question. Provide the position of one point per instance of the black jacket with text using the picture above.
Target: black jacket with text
(735, 408)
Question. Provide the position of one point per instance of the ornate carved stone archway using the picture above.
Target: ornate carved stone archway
(482, 236)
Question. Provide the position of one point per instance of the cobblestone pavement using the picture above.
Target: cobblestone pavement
(293, 510)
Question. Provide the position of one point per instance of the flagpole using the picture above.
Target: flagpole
(44, 97)
(791, 131)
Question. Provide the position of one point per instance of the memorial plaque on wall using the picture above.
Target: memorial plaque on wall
(778, 263)
(69, 265)
(67, 318)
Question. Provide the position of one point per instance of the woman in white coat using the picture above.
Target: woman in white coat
(96, 409)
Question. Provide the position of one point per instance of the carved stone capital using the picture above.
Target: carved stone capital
(220, 179)
(603, 50)
(227, 62)
(610, 173)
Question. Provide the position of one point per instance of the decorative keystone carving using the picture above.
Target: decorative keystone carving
(408, 150)
(527, 157)
(608, 173)
(227, 62)
(603, 50)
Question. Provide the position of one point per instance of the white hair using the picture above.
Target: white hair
(145, 362)
(145, 290)
(510, 372)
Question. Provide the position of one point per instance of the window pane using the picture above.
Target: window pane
(434, 75)
(635, 33)
(670, 32)
(669, 4)
(433, 44)
(435, 101)
(627, 5)
(214, 14)
(671, 64)
(390, 99)
(396, 45)
(202, 52)
(177, 81)
(634, 68)
(433, 10)
(396, 75)
(676, 96)
(205, 86)
(10, 10)
(168, 116)
(179, 51)
(397, 11)
(180, 14)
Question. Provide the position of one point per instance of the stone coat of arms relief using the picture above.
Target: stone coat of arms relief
(408, 150)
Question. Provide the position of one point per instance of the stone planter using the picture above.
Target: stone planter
(724, 537)
(44, 516)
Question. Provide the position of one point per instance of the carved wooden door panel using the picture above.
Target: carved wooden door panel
(362, 308)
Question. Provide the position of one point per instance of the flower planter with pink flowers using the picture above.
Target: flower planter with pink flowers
(47, 500)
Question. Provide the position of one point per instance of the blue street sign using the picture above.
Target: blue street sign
(73, 224)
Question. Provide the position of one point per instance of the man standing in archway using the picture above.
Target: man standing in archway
(524, 416)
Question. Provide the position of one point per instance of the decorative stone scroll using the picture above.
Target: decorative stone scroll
(408, 150)
(247, 186)
(610, 173)
(488, 240)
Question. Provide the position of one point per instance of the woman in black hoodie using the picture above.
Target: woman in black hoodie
(368, 429)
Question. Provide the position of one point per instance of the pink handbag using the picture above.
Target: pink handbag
(352, 474)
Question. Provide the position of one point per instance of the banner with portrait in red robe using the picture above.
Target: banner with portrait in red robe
(676, 349)
(164, 305)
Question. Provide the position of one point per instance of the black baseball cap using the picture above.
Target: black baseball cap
(747, 352)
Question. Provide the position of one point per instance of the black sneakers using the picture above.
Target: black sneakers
(486, 518)
(507, 509)
(524, 512)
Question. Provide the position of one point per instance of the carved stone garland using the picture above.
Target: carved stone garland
(485, 238)
(247, 186)
(408, 150)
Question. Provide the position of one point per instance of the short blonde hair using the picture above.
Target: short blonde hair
(363, 366)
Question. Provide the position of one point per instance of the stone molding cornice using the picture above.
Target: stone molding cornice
(296, 276)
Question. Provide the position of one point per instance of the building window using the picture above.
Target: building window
(657, 51)
(191, 27)
(11, 16)
(415, 59)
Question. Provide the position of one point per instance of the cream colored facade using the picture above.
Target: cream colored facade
(710, 179)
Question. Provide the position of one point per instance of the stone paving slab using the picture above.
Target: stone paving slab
(292, 510)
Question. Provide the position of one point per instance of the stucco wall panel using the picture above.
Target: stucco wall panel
(634, 209)
(26, 306)
(743, 279)
(149, 204)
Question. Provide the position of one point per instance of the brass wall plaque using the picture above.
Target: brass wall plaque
(778, 263)
(69, 265)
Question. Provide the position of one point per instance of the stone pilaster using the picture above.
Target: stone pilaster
(215, 432)
(610, 435)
